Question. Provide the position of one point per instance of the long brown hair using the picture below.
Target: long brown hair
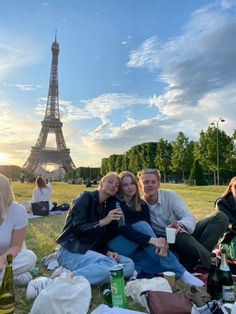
(228, 189)
(136, 201)
(40, 182)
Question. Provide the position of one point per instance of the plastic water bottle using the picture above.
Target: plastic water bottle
(122, 218)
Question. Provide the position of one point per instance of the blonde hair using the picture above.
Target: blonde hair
(109, 174)
(136, 201)
(156, 172)
(6, 195)
(228, 189)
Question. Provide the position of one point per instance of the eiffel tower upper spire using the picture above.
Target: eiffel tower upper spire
(40, 154)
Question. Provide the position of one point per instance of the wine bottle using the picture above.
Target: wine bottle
(7, 290)
(122, 218)
(226, 279)
(214, 287)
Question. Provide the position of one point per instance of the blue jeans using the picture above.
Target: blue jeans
(146, 258)
(93, 265)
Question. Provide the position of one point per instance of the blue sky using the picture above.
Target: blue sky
(130, 71)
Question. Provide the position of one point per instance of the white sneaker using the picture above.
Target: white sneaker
(35, 286)
(23, 279)
(59, 271)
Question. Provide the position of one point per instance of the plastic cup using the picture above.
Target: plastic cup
(170, 234)
(170, 277)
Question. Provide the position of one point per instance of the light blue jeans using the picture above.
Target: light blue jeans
(146, 258)
(92, 265)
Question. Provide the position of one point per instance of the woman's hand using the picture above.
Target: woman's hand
(113, 214)
(113, 255)
(161, 245)
(2, 262)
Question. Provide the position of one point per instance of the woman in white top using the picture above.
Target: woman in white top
(13, 222)
(42, 192)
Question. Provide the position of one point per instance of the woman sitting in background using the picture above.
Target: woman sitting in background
(227, 203)
(150, 258)
(42, 192)
(13, 222)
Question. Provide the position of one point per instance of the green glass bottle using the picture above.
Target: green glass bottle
(214, 287)
(226, 279)
(7, 290)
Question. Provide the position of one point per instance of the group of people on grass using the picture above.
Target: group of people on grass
(92, 241)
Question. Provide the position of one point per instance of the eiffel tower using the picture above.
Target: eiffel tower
(40, 154)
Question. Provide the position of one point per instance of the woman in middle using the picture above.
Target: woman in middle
(148, 258)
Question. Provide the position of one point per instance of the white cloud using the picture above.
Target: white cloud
(15, 52)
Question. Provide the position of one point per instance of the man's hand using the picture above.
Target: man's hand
(113, 214)
(114, 255)
(175, 224)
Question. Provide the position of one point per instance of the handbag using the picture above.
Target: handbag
(161, 302)
(40, 208)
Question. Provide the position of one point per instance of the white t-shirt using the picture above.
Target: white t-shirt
(16, 219)
(43, 194)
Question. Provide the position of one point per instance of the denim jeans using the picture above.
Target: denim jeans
(92, 265)
(146, 258)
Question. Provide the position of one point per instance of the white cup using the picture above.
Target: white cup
(170, 234)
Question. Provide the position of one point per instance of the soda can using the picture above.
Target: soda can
(117, 286)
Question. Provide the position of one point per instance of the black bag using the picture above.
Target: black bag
(40, 208)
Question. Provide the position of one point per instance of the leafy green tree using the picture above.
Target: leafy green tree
(148, 154)
(205, 150)
(119, 163)
(182, 155)
(163, 157)
(104, 166)
(197, 174)
(135, 157)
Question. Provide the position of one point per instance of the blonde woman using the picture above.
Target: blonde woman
(91, 220)
(153, 257)
(13, 222)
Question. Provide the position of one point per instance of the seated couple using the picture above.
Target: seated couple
(91, 241)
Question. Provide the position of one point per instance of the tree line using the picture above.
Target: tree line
(176, 159)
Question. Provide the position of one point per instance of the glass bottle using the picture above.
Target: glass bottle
(7, 290)
(107, 296)
(226, 279)
(122, 218)
(214, 287)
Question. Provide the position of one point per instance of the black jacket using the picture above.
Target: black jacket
(82, 231)
(228, 206)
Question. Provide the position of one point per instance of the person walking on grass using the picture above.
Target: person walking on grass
(90, 221)
(194, 241)
(153, 256)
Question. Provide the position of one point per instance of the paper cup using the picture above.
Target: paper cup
(170, 277)
(170, 235)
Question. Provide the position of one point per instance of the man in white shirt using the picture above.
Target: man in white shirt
(194, 241)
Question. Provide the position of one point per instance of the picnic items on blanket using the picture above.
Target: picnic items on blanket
(162, 302)
(226, 279)
(104, 309)
(214, 287)
(135, 288)
(65, 294)
(40, 208)
(7, 289)
(117, 286)
(35, 286)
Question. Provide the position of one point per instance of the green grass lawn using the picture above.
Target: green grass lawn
(42, 232)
